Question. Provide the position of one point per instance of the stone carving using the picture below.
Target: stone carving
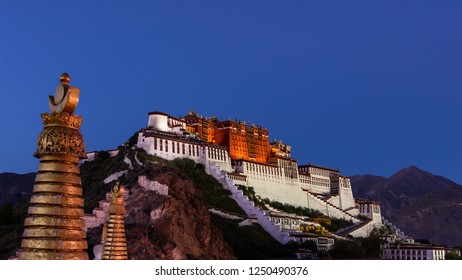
(64, 118)
(60, 139)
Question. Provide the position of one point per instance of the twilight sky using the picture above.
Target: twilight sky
(361, 86)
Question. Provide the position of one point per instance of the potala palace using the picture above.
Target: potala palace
(243, 155)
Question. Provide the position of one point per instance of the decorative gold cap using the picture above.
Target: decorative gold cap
(65, 79)
(65, 98)
(63, 119)
(117, 206)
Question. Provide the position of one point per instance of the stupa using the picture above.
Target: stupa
(54, 228)
(115, 245)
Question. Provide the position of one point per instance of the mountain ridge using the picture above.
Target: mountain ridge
(423, 205)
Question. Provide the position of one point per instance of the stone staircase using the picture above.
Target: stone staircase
(353, 218)
(249, 207)
(399, 233)
(333, 210)
(350, 229)
(100, 215)
(263, 217)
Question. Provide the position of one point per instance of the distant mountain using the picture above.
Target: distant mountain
(421, 204)
(14, 186)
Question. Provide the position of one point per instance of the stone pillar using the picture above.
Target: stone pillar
(54, 227)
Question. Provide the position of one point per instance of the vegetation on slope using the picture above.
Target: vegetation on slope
(93, 174)
(248, 242)
(251, 242)
(335, 225)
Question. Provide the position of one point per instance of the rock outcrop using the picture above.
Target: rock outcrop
(173, 226)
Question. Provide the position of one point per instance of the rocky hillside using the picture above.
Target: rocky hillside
(178, 225)
(423, 205)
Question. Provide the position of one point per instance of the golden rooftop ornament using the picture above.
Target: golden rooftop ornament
(54, 227)
(115, 246)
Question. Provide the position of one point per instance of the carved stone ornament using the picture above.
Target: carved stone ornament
(64, 118)
(61, 135)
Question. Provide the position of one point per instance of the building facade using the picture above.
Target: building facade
(243, 152)
(413, 252)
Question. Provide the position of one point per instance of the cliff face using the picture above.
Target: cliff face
(177, 226)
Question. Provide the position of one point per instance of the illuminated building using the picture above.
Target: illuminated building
(244, 155)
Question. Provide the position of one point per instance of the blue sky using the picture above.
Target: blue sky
(362, 86)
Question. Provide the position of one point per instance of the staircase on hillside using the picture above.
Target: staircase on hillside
(326, 200)
(395, 229)
(350, 229)
(249, 207)
(100, 214)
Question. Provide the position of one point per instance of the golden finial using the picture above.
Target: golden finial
(65, 98)
(65, 79)
(118, 190)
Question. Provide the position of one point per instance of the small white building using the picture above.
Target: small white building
(285, 221)
(323, 243)
(369, 209)
(413, 252)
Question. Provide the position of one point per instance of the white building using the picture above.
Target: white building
(369, 209)
(167, 137)
(323, 243)
(281, 179)
(413, 252)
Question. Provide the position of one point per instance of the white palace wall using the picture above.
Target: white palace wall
(168, 138)
(170, 148)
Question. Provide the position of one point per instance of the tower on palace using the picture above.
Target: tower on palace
(243, 141)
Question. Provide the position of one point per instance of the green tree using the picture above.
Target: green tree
(452, 256)
(371, 247)
(347, 250)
